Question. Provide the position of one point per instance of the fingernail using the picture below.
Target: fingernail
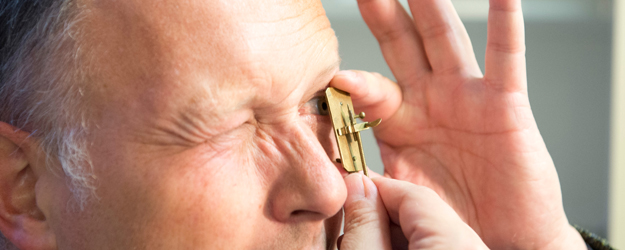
(346, 73)
(355, 186)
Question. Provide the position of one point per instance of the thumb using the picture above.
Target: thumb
(366, 220)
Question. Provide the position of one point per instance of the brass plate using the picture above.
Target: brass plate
(347, 131)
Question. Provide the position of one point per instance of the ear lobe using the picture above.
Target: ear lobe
(21, 220)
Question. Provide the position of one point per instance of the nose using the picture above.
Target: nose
(308, 186)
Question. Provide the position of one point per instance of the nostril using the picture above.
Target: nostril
(298, 212)
(306, 215)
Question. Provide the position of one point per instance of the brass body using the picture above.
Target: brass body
(347, 131)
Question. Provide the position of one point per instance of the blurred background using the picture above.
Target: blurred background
(569, 64)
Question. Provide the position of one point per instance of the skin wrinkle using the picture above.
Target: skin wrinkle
(469, 148)
(470, 218)
(176, 113)
(286, 34)
(495, 168)
(218, 194)
(439, 162)
(262, 154)
(193, 120)
(272, 148)
(281, 18)
(320, 82)
(312, 35)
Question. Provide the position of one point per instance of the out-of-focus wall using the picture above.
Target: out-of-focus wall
(569, 65)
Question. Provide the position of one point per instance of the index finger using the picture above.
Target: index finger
(398, 38)
(425, 219)
(415, 203)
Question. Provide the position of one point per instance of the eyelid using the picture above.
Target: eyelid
(316, 105)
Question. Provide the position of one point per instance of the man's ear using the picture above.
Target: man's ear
(21, 220)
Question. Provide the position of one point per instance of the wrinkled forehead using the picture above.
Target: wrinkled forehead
(159, 49)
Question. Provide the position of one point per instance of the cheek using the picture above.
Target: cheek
(189, 200)
(214, 209)
(219, 203)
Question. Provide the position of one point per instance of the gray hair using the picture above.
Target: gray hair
(42, 87)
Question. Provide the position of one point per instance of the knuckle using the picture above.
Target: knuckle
(373, 76)
(393, 34)
(508, 48)
(363, 2)
(450, 70)
(505, 6)
(423, 193)
(437, 30)
(361, 213)
(378, 75)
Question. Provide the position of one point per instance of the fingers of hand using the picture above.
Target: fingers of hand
(438, 40)
(418, 202)
(425, 219)
(399, 41)
(374, 174)
(398, 240)
(372, 93)
(445, 39)
(366, 222)
(505, 48)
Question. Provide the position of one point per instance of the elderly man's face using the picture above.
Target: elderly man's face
(207, 134)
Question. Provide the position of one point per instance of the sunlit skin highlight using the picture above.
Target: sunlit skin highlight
(205, 135)
(204, 138)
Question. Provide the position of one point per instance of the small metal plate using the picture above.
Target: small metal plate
(346, 131)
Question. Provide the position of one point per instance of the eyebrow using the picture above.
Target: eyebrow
(324, 72)
(331, 67)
